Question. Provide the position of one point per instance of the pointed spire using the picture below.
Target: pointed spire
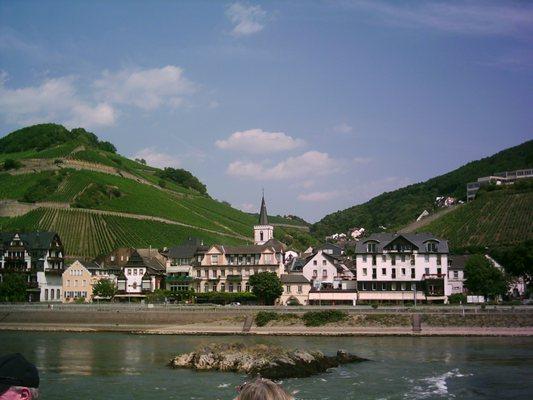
(263, 218)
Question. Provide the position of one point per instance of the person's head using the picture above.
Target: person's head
(19, 379)
(262, 389)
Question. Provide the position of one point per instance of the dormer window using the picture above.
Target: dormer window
(432, 247)
(371, 248)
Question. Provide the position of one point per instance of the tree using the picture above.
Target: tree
(104, 288)
(13, 288)
(11, 164)
(483, 278)
(517, 261)
(266, 286)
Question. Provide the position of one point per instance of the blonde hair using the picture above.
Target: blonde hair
(263, 389)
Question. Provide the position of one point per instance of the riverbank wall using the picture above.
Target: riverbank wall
(239, 320)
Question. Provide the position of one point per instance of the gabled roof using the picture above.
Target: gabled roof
(417, 239)
(294, 278)
(187, 249)
(458, 261)
(32, 240)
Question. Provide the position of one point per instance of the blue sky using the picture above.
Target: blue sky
(325, 104)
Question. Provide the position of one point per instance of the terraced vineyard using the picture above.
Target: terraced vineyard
(87, 235)
(495, 218)
(89, 227)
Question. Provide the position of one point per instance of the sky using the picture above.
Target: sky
(324, 104)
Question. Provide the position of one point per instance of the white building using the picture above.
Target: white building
(402, 267)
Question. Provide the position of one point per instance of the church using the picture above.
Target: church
(223, 268)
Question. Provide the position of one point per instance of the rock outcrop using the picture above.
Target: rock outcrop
(268, 361)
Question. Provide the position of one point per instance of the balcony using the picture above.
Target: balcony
(179, 279)
(234, 278)
(433, 276)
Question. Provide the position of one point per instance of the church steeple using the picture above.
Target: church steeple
(263, 232)
(263, 217)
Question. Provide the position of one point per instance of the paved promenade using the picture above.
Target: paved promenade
(294, 330)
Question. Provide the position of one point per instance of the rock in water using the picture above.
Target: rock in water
(269, 361)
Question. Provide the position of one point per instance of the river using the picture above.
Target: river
(115, 366)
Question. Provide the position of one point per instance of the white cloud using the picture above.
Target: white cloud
(469, 17)
(361, 160)
(319, 197)
(53, 100)
(248, 207)
(157, 159)
(147, 89)
(343, 128)
(259, 141)
(247, 19)
(310, 164)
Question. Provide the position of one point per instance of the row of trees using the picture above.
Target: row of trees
(266, 288)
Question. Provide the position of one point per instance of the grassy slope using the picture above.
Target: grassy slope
(88, 235)
(80, 230)
(398, 208)
(495, 218)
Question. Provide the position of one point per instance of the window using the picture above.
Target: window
(247, 287)
(363, 286)
(371, 248)
(384, 258)
(426, 257)
(134, 271)
(46, 294)
(403, 257)
(261, 236)
(365, 271)
(300, 290)
(198, 273)
(383, 286)
(315, 273)
(112, 258)
(324, 273)
(315, 262)
(324, 262)
(288, 288)
(374, 285)
(230, 287)
(52, 293)
(393, 259)
(403, 286)
(439, 261)
(129, 271)
(432, 247)
(412, 273)
(456, 274)
(413, 286)
(383, 271)
(393, 274)
(214, 259)
(439, 271)
(374, 273)
(206, 273)
(403, 271)
(392, 286)
(364, 257)
(412, 259)
(268, 258)
(374, 259)
(427, 271)
(214, 273)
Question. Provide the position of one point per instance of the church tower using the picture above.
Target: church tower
(263, 232)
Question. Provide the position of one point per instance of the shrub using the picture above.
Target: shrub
(11, 164)
(457, 298)
(264, 317)
(375, 305)
(319, 318)
(226, 297)
(79, 300)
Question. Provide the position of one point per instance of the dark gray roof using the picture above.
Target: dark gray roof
(337, 250)
(91, 265)
(263, 217)
(293, 278)
(32, 240)
(458, 261)
(418, 240)
(188, 249)
(297, 264)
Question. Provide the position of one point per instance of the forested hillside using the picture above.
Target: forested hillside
(98, 200)
(397, 208)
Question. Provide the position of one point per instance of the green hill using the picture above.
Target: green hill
(400, 207)
(495, 218)
(113, 201)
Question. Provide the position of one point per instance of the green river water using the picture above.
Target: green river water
(116, 366)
